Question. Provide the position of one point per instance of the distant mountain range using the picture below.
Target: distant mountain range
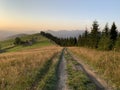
(17, 35)
(65, 33)
(4, 35)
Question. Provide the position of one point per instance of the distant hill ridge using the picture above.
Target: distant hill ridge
(66, 33)
(17, 35)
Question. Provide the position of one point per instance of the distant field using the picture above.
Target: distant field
(105, 63)
(21, 70)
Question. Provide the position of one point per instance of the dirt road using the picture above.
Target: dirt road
(100, 84)
(62, 75)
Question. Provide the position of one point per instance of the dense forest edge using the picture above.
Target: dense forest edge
(106, 39)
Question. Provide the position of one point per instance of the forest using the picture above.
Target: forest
(106, 39)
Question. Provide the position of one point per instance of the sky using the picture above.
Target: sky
(25, 15)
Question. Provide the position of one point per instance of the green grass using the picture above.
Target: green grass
(77, 80)
(41, 41)
(36, 45)
(6, 43)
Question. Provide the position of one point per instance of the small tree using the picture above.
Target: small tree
(106, 30)
(113, 35)
(17, 41)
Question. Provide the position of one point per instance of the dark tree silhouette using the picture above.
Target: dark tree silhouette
(113, 32)
(17, 41)
(94, 35)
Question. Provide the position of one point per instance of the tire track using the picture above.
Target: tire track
(100, 84)
(62, 74)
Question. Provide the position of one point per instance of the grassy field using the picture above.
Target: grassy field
(77, 80)
(36, 45)
(21, 70)
(105, 63)
(40, 42)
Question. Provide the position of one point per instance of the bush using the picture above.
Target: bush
(17, 41)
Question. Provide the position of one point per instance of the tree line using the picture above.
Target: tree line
(72, 41)
(107, 39)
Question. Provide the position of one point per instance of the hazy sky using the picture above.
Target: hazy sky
(57, 14)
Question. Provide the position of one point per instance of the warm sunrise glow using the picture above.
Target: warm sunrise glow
(56, 15)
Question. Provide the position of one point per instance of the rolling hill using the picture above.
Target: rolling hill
(8, 45)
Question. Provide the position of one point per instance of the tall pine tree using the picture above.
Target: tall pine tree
(113, 34)
(94, 35)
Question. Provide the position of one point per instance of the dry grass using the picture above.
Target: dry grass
(18, 69)
(105, 63)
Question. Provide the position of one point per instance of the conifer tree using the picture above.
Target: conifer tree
(113, 32)
(105, 41)
(94, 35)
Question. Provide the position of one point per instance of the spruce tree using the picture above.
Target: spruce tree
(106, 30)
(105, 41)
(113, 32)
(94, 35)
(79, 40)
(85, 38)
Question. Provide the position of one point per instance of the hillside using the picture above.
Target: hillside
(8, 45)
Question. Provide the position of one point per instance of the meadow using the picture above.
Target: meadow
(105, 63)
(21, 70)
(8, 45)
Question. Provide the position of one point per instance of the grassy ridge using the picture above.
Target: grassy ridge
(77, 80)
(8, 45)
(18, 70)
(36, 45)
(105, 63)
